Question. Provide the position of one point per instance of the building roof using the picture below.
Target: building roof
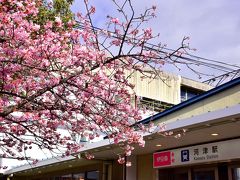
(203, 118)
(193, 100)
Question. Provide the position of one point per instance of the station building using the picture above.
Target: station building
(204, 145)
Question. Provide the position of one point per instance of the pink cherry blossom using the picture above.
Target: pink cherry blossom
(121, 160)
(71, 79)
(128, 163)
(115, 20)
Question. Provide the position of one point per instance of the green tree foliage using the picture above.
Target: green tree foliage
(58, 8)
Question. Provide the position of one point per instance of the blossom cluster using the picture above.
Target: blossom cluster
(53, 77)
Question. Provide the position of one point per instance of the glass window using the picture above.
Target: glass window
(64, 177)
(93, 175)
(181, 176)
(79, 176)
(172, 174)
(90, 175)
(183, 95)
(223, 172)
(236, 173)
(204, 175)
(188, 93)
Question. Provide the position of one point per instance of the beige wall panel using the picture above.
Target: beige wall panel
(166, 89)
(145, 169)
(195, 84)
(219, 101)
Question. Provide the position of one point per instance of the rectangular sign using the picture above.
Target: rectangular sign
(162, 159)
(219, 151)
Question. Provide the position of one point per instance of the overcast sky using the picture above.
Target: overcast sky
(212, 25)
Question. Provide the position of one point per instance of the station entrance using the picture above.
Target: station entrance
(220, 171)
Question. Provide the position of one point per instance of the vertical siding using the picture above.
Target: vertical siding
(165, 88)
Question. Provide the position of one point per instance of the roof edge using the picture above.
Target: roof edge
(191, 101)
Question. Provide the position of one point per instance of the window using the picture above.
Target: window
(79, 176)
(236, 173)
(173, 174)
(204, 175)
(188, 93)
(64, 177)
(93, 175)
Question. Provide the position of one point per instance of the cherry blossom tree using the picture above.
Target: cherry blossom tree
(74, 78)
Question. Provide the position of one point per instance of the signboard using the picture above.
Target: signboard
(219, 151)
(163, 158)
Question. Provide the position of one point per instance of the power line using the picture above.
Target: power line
(198, 57)
(195, 61)
(218, 80)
